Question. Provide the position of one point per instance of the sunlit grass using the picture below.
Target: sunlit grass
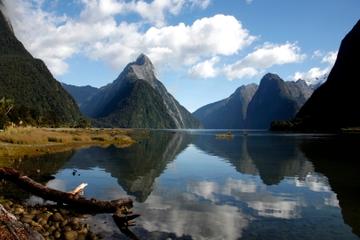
(29, 140)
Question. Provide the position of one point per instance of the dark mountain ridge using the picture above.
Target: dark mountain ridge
(335, 104)
(255, 107)
(80, 94)
(37, 97)
(229, 113)
(276, 99)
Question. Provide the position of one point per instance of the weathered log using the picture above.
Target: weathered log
(76, 200)
(12, 229)
(79, 189)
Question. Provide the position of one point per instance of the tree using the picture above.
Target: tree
(6, 106)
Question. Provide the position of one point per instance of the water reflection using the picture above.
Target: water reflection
(135, 168)
(273, 157)
(40, 168)
(338, 159)
(194, 186)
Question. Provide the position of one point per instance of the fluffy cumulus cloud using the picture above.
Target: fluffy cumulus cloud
(98, 34)
(252, 64)
(205, 69)
(330, 58)
(154, 12)
(262, 58)
(317, 75)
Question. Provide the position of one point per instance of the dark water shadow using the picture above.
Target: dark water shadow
(338, 159)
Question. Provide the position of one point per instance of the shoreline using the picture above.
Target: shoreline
(31, 142)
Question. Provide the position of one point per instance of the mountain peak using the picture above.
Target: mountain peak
(142, 59)
(142, 69)
(270, 76)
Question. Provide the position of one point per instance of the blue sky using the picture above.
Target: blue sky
(202, 49)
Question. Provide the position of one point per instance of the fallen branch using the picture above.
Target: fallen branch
(79, 189)
(60, 197)
(122, 216)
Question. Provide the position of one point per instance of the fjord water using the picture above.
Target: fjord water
(191, 185)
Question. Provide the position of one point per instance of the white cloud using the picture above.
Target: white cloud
(237, 72)
(262, 58)
(154, 12)
(313, 76)
(313, 182)
(249, 1)
(205, 69)
(277, 208)
(318, 75)
(317, 54)
(203, 4)
(99, 36)
(330, 58)
(217, 35)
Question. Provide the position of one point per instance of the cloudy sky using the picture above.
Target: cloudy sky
(202, 49)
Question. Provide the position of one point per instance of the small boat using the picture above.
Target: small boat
(226, 135)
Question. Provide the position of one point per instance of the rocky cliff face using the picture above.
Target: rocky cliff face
(138, 99)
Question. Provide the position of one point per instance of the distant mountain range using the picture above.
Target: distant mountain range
(276, 99)
(229, 113)
(81, 94)
(136, 99)
(255, 107)
(37, 97)
(335, 104)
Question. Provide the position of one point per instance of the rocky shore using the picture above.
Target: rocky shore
(51, 222)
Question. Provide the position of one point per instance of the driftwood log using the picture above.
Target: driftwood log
(122, 216)
(75, 200)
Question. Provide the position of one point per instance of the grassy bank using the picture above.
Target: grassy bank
(29, 141)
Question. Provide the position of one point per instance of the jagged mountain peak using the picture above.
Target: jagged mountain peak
(138, 99)
(142, 59)
(143, 68)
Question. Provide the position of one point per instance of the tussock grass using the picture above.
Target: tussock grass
(26, 140)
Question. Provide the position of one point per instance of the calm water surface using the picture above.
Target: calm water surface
(190, 185)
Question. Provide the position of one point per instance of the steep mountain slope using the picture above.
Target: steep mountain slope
(228, 113)
(335, 104)
(80, 94)
(38, 98)
(276, 99)
(138, 99)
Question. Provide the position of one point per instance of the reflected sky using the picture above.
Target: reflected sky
(194, 186)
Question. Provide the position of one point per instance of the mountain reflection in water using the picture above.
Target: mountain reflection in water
(190, 185)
